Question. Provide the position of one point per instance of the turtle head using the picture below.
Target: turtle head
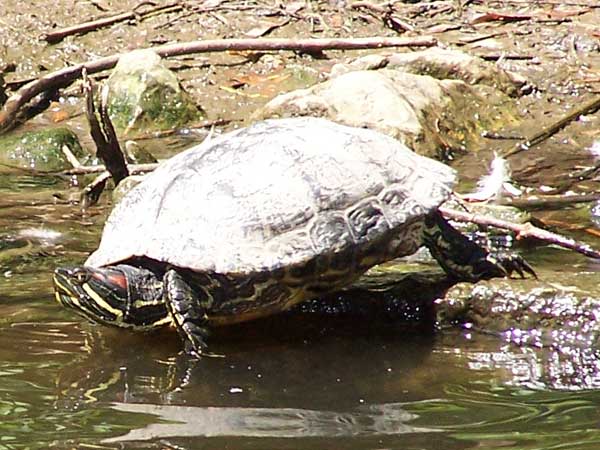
(121, 295)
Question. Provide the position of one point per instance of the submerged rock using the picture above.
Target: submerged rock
(432, 116)
(40, 150)
(144, 95)
(137, 154)
(553, 314)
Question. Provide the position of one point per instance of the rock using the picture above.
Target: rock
(442, 64)
(144, 95)
(430, 116)
(40, 150)
(529, 312)
(137, 154)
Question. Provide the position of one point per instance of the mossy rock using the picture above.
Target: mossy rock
(144, 95)
(137, 154)
(40, 150)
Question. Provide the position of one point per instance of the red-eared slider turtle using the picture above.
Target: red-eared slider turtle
(263, 218)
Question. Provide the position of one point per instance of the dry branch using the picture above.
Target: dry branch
(134, 169)
(522, 231)
(103, 133)
(551, 201)
(63, 77)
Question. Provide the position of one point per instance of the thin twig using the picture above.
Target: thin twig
(592, 4)
(522, 231)
(71, 158)
(65, 76)
(554, 128)
(134, 169)
(550, 201)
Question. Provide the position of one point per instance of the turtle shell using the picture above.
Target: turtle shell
(273, 195)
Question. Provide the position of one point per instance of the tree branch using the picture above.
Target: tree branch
(522, 231)
(58, 35)
(63, 77)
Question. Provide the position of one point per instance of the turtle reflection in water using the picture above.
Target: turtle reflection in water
(263, 218)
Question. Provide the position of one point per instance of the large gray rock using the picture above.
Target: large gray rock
(430, 115)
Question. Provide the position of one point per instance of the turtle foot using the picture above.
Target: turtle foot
(512, 262)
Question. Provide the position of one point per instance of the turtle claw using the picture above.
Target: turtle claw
(512, 262)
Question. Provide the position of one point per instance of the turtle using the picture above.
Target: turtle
(262, 218)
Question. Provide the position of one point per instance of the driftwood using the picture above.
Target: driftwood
(522, 231)
(64, 77)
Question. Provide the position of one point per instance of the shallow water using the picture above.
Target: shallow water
(69, 384)
(299, 380)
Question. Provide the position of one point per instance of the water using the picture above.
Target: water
(69, 384)
(294, 381)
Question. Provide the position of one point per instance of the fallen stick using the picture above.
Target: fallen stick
(58, 35)
(133, 169)
(522, 231)
(550, 201)
(550, 2)
(65, 76)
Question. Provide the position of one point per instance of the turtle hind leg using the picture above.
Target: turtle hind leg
(188, 311)
(464, 259)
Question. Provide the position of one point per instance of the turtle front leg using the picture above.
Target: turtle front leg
(188, 313)
(464, 259)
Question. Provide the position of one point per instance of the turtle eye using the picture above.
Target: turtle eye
(81, 275)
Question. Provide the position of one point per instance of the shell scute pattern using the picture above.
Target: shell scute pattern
(399, 204)
(367, 220)
(330, 230)
(280, 194)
